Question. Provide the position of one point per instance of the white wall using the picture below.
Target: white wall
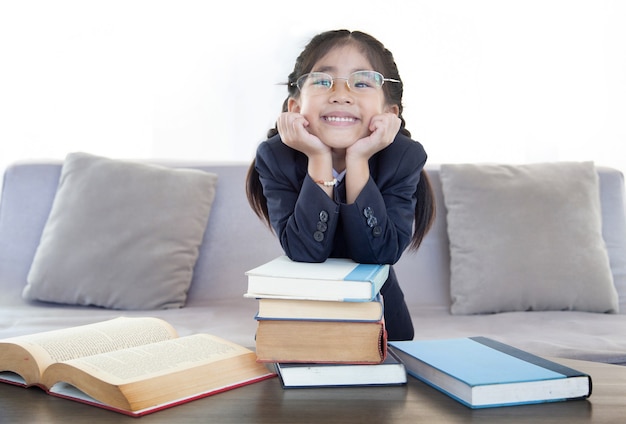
(486, 80)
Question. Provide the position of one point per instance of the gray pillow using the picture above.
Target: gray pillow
(121, 234)
(526, 237)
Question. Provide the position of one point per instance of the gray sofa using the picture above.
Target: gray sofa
(235, 241)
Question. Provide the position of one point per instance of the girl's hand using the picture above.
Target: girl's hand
(292, 129)
(384, 128)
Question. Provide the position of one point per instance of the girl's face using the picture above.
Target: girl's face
(340, 116)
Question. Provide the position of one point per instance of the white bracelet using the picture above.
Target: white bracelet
(327, 183)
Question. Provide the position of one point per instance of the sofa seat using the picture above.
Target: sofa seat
(235, 241)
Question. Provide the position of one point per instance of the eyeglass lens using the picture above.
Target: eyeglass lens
(357, 81)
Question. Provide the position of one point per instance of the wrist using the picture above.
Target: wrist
(357, 163)
(320, 168)
(329, 183)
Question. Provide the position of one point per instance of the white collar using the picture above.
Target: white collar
(339, 176)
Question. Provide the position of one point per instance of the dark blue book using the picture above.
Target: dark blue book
(481, 373)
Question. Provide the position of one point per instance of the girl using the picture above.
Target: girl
(339, 175)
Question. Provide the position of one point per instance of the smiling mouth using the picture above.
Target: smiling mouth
(339, 119)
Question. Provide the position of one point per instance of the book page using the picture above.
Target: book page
(141, 362)
(61, 345)
(145, 378)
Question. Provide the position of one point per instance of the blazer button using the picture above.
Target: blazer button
(372, 221)
(318, 236)
(368, 212)
(324, 216)
(322, 226)
(377, 231)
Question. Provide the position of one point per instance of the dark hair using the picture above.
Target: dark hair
(382, 61)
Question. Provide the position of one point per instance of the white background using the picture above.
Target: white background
(485, 80)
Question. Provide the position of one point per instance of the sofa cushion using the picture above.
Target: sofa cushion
(526, 237)
(121, 234)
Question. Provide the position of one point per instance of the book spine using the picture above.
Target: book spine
(258, 317)
(528, 357)
(363, 272)
(382, 347)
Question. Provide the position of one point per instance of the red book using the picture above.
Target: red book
(134, 366)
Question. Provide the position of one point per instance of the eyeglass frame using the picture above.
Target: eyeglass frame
(332, 80)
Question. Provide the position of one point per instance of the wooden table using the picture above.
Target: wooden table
(268, 402)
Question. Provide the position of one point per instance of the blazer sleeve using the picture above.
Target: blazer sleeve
(302, 215)
(378, 226)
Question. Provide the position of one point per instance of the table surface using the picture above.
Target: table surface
(268, 402)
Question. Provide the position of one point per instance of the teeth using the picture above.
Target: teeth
(339, 119)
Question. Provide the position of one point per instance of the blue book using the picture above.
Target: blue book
(336, 279)
(480, 372)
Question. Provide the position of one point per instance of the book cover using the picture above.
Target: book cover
(390, 372)
(320, 310)
(321, 341)
(336, 279)
(480, 372)
(69, 392)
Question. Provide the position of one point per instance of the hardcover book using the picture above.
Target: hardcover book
(390, 372)
(320, 310)
(134, 366)
(321, 341)
(336, 279)
(480, 372)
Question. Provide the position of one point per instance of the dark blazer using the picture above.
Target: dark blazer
(376, 228)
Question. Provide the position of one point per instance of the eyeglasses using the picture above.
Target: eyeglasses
(358, 82)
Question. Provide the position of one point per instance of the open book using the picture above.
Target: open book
(130, 365)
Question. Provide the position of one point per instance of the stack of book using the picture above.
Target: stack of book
(322, 324)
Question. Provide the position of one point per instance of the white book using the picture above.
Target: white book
(389, 372)
(336, 279)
